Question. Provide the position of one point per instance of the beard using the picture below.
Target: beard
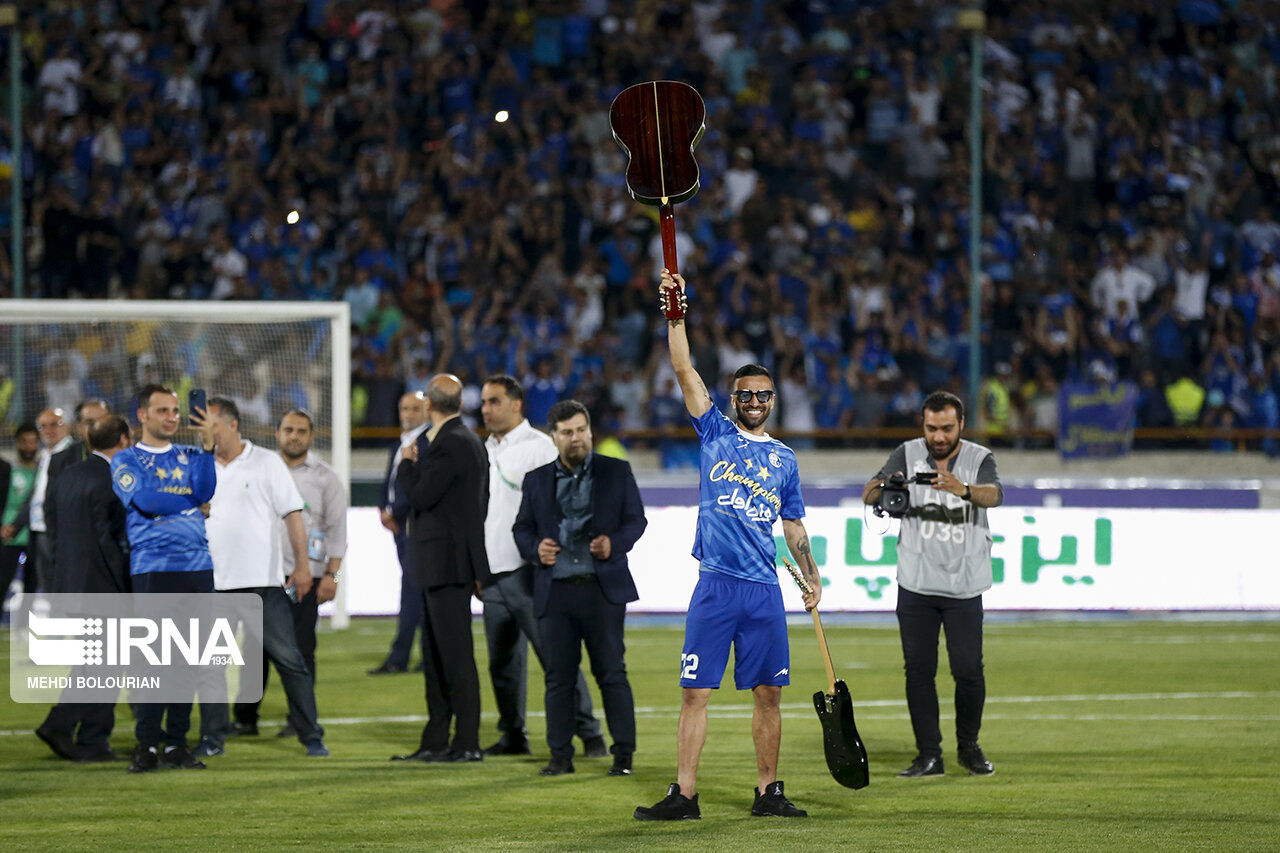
(747, 419)
(945, 451)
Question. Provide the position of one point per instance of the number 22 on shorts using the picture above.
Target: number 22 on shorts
(689, 667)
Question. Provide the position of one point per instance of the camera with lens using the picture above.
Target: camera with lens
(895, 498)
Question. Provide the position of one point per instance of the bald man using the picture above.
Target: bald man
(395, 515)
(445, 477)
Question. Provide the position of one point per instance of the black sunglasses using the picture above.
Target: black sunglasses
(745, 396)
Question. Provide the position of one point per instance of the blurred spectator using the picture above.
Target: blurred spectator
(322, 151)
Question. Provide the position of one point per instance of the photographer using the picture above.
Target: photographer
(944, 566)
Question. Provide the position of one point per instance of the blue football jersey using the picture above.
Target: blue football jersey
(162, 492)
(746, 483)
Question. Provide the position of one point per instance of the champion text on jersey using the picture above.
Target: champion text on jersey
(728, 471)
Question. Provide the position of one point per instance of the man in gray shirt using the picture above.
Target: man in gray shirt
(944, 566)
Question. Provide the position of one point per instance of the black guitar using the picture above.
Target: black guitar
(846, 756)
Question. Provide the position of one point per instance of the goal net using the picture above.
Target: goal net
(268, 357)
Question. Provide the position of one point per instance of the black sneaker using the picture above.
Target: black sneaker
(925, 766)
(180, 758)
(674, 806)
(621, 764)
(773, 803)
(144, 759)
(972, 759)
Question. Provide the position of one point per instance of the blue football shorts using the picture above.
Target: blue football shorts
(727, 610)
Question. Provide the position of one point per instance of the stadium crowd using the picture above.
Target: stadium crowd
(447, 169)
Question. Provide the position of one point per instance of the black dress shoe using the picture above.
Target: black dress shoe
(101, 754)
(674, 806)
(925, 766)
(239, 729)
(457, 756)
(621, 764)
(557, 766)
(509, 746)
(773, 803)
(62, 744)
(422, 755)
(972, 759)
(387, 669)
(594, 747)
(144, 760)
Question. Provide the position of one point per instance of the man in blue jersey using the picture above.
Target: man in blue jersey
(163, 486)
(747, 481)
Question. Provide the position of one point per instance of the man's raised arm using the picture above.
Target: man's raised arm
(696, 398)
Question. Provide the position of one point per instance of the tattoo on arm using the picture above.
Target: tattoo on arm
(804, 557)
(702, 386)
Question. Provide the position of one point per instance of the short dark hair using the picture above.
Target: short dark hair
(752, 370)
(940, 400)
(564, 410)
(444, 402)
(144, 395)
(510, 384)
(225, 407)
(302, 413)
(92, 401)
(107, 432)
(25, 427)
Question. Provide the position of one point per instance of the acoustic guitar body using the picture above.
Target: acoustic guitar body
(658, 124)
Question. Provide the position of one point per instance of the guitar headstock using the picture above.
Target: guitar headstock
(797, 577)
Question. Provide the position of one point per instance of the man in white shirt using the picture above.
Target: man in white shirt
(255, 491)
(324, 516)
(515, 448)
(1118, 282)
(59, 82)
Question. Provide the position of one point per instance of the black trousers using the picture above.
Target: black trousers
(449, 671)
(510, 627)
(577, 614)
(168, 722)
(306, 614)
(89, 724)
(919, 618)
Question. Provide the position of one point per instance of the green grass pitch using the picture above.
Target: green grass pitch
(1115, 734)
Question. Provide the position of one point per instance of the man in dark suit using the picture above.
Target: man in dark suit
(86, 529)
(445, 476)
(65, 450)
(579, 516)
(395, 515)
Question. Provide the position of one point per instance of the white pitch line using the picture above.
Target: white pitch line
(733, 712)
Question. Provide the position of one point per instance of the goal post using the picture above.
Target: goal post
(266, 356)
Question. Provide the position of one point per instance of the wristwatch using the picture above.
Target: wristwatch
(968, 493)
(337, 576)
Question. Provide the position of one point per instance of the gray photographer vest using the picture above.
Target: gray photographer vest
(944, 547)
